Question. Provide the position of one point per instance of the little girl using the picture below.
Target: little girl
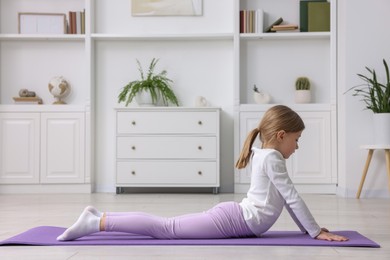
(271, 189)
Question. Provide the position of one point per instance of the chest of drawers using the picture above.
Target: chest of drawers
(167, 147)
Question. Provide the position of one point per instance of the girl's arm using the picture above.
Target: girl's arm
(294, 217)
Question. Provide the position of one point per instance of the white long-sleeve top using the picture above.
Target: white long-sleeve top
(271, 189)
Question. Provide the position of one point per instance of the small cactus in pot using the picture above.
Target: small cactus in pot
(302, 83)
(302, 90)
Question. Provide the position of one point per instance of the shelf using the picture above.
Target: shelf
(42, 37)
(285, 35)
(159, 37)
(41, 108)
(294, 106)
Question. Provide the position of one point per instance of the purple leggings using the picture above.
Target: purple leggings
(225, 220)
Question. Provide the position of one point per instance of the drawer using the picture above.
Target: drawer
(154, 173)
(167, 122)
(167, 147)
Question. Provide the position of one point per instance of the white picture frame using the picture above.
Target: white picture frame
(167, 7)
(41, 23)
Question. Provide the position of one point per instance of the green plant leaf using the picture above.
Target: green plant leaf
(374, 94)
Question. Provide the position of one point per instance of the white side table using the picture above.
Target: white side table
(371, 149)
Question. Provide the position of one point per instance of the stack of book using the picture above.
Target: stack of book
(251, 21)
(28, 100)
(76, 23)
(314, 16)
(285, 28)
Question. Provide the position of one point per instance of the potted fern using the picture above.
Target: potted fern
(155, 86)
(302, 90)
(376, 97)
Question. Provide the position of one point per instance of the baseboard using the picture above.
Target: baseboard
(44, 188)
(366, 193)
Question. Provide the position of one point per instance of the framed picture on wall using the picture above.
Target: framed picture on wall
(166, 7)
(41, 23)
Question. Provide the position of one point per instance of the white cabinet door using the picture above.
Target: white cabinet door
(19, 148)
(311, 163)
(62, 148)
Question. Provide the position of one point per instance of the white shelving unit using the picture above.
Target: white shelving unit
(62, 132)
(273, 61)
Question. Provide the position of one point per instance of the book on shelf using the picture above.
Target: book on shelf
(304, 13)
(277, 22)
(318, 16)
(76, 24)
(28, 100)
(251, 21)
(284, 28)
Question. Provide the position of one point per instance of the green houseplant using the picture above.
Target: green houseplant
(376, 97)
(374, 94)
(302, 90)
(158, 85)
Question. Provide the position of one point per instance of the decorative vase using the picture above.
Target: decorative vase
(261, 97)
(144, 99)
(381, 128)
(302, 96)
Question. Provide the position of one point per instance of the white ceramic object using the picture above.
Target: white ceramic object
(302, 96)
(261, 97)
(381, 128)
(144, 99)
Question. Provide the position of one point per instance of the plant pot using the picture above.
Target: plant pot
(261, 97)
(381, 128)
(302, 96)
(144, 99)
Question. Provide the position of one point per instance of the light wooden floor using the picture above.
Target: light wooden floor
(371, 217)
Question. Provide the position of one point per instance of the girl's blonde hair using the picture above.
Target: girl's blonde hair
(275, 119)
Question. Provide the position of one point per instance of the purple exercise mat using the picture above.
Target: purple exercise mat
(46, 236)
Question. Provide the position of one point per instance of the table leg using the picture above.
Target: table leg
(369, 156)
(387, 154)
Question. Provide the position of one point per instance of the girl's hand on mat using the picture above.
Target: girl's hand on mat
(326, 235)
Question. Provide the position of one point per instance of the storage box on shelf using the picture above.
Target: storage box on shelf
(167, 147)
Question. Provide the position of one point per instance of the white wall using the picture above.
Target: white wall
(363, 40)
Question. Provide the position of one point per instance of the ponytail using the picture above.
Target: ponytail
(246, 151)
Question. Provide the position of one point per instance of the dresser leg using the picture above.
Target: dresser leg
(119, 190)
(215, 190)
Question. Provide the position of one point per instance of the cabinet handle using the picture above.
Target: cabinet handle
(199, 172)
(200, 122)
(133, 123)
(132, 172)
(199, 147)
(133, 148)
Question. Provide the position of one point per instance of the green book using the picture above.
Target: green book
(303, 15)
(318, 16)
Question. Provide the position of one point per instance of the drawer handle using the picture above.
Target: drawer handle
(199, 172)
(199, 147)
(133, 123)
(132, 172)
(200, 122)
(133, 148)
